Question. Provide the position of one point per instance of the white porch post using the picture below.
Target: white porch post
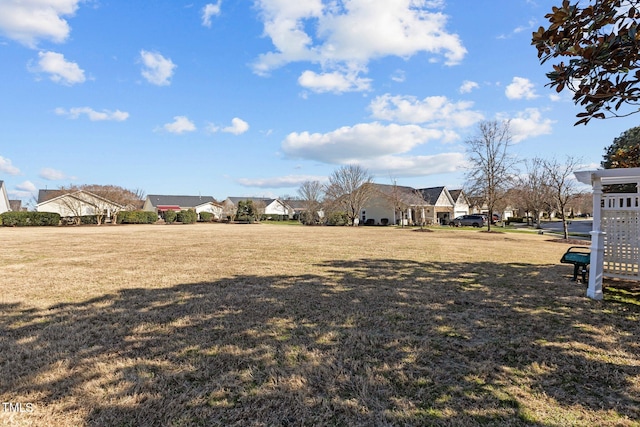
(597, 244)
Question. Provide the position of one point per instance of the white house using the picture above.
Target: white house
(391, 204)
(4, 199)
(462, 205)
(161, 203)
(270, 206)
(442, 202)
(615, 236)
(76, 204)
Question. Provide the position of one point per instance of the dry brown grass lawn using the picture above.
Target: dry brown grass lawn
(267, 325)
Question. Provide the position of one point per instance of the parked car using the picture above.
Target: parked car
(469, 220)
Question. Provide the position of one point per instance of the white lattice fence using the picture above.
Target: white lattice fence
(621, 223)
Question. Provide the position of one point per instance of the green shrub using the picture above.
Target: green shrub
(136, 217)
(170, 217)
(14, 219)
(50, 219)
(88, 219)
(337, 218)
(206, 216)
(25, 219)
(187, 217)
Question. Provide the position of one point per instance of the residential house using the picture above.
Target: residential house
(478, 206)
(161, 203)
(300, 207)
(443, 204)
(4, 199)
(393, 204)
(16, 206)
(266, 205)
(462, 205)
(75, 204)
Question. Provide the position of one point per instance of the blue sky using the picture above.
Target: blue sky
(253, 97)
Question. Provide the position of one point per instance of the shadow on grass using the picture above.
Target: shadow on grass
(365, 342)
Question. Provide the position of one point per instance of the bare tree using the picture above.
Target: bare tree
(116, 199)
(349, 189)
(259, 208)
(562, 188)
(72, 205)
(491, 165)
(397, 198)
(532, 189)
(311, 194)
(103, 200)
(229, 210)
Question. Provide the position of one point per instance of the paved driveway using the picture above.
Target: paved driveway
(581, 226)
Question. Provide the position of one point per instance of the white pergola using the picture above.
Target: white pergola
(615, 236)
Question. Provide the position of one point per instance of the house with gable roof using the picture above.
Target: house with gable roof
(395, 204)
(159, 204)
(442, 202)
(75, 204)
(462, 205)
(267, 205)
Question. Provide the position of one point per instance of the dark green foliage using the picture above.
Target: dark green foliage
(88, 219)
(187, 217)
(246, 211)
(337, 218)
(170, 217)
(624, 152)
(24, 219)
(206, 216)
(137, 217)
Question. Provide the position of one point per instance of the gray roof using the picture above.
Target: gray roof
(267, 201)
(182, 201)
(44, 195)
(407, 195)
(431, 194)
(455, 194)
(296, 204)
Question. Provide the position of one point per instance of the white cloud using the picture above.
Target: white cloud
(468, 86)
(27, 22)
(27, 186)
(94, 116)
(335, 81)
(158, 70)
(398, 76)
(529, 123)
(210, 10)
(347, 35)
(60, 70)
(24, 190)
(180, 124)
(7, 167)
(51, 174)
(357, 143)
(238, 126)
(416, 165)
(520, 88)
(279, 181)
(435, 110)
